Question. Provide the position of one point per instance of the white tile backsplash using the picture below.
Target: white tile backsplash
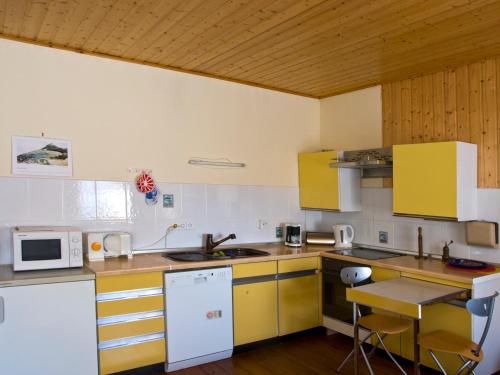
(46, 199)
(219, 209)
(377, 215)
(112, 205)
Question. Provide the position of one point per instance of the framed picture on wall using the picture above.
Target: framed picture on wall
(41, 156)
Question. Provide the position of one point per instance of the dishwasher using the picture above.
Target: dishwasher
(198, 316)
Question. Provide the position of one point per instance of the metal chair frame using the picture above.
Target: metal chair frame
(480, 307)
(352, 276)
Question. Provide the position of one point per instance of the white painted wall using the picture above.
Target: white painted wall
(353, 120)
(122, 115)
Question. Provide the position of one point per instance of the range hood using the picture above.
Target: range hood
(374, 163)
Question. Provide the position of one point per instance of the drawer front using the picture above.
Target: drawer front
(131, 356)
(254, 269)
(299, 264)
(129, 306)
(129, 282)
(381, 274)
(437, 280)
(134, 328)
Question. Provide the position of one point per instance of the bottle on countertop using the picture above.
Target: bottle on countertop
(446, 252)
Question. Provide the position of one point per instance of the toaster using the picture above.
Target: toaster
(101, 245)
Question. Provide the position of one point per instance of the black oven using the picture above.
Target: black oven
(335, 304)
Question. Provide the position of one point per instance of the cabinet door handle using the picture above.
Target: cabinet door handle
(2, 310)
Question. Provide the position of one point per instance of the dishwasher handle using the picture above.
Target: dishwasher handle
(2, 310)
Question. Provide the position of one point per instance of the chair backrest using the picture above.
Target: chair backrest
(353, 275)
(482, 307)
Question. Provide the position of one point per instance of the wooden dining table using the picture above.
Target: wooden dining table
(403, 296)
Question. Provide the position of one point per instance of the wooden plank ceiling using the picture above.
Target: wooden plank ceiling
(314, 48)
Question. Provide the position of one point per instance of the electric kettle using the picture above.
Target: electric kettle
(344, 234)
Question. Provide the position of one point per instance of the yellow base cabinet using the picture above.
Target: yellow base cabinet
(255, 312)
(130, 321)
(325, 188)
(435, 180)
(255, 302)
(298, 295)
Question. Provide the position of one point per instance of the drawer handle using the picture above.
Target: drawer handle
(2, 310)
(128, 294)
(129, 341)
(128, 318)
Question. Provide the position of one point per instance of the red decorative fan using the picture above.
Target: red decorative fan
(145, 183)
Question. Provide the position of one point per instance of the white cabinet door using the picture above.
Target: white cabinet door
(48, 329)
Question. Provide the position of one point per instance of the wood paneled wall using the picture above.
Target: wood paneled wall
(459, 104)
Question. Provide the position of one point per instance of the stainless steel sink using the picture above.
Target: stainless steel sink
(228, 253)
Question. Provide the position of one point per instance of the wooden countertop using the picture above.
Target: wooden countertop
(156, 262)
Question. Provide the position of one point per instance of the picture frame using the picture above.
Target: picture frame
(40, 156)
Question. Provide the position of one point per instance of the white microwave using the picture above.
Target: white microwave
(38, 248)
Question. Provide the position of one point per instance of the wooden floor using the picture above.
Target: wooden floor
(314, 354)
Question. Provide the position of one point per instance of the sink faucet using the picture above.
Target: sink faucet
(210, 244)
(420, 245)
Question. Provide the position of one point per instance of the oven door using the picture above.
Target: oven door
(335, 303)
(40, 250)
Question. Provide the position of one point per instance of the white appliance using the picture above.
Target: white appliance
(199, 318)
(100, 245)
(48, 329)
(344, 234)
(36, 248)
(293, 235)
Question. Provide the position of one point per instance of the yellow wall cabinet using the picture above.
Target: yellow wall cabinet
(325, 188)
(130, 321)
(435, 180)
(255, 302)
(298, 295)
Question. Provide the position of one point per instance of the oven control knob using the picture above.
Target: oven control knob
(76, 252)
(75, 240)
(96, 246)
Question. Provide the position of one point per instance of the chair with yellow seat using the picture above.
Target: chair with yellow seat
(379, 325)
(468, 351)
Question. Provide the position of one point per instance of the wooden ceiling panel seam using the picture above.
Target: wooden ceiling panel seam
(129, 23)
(157, 43)
(53, 20)
(319, 68)
(277, 30)
(323, 36)
(117, 12)
(232, 41)
(72, 22)
(417, 66)
(89, 22)
(14, 16)
(149, 24)
(227, 39)
(309, 55)
(196, 41)
(314, 57)
(176, 40)
(160, 28)
(404, 74)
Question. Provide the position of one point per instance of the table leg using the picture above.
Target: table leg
(416, 347)
(356, 348)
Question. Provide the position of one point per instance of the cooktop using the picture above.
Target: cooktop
(365, 253)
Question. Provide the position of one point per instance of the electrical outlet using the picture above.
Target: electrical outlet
(279, 231)
(262, 224)
(185, 225)
(383, 237)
